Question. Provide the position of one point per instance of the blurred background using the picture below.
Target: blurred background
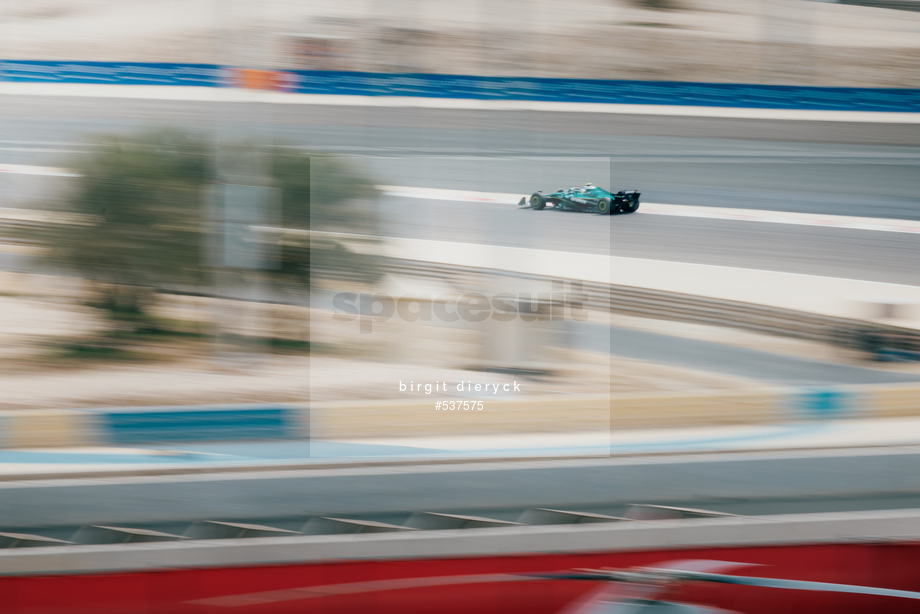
(749, 41)
(271, 240)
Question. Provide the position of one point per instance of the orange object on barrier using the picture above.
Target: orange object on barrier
(254, 79)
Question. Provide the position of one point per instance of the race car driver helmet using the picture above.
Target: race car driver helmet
(589, 186)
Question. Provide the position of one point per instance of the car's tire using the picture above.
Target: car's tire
(629, 204)
(604, 206)
(537, 201)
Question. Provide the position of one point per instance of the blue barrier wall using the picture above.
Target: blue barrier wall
(118, 73)
(164, 424)
(479, 88)
(611, 92)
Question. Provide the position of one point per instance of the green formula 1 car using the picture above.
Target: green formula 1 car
(589, 198)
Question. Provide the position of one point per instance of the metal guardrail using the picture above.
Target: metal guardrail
(658, 304)
(704, 310)
(882, 341)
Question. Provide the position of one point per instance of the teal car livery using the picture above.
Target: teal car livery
(589, 198)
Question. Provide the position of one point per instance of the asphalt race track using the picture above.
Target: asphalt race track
(748, 363)
(864, 169)
(889, 257)
(856, 254)
(858, 169)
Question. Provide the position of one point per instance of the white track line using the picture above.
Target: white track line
(715, 213)
(218, 94)
(23, 169)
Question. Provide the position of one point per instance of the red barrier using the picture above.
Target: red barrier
(440, 586)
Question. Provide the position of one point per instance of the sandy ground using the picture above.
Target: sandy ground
(347, 365)
(772, 41)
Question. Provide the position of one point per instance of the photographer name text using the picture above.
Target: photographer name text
(464, 386)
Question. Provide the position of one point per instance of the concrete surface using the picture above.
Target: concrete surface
(882, 529)
(382, 488)
(53, 463)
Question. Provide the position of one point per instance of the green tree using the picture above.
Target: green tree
(143, 224)
(339, 193)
